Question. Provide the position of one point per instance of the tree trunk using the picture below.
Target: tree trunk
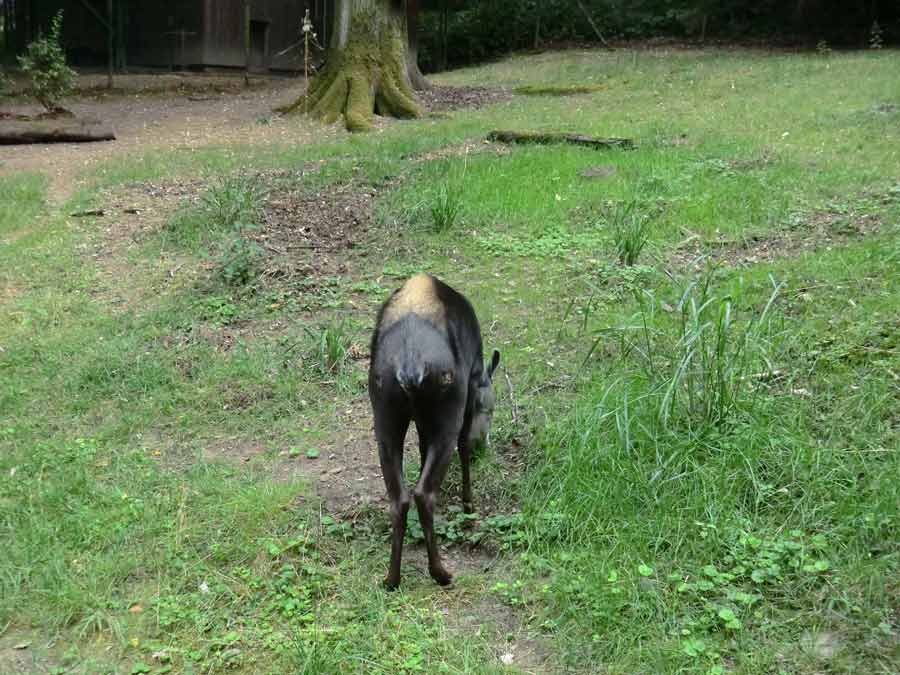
(416, 78)
(366, 69)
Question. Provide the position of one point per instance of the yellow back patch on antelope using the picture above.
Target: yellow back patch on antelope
(417, 296)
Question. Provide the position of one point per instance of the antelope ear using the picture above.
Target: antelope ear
(495, 361)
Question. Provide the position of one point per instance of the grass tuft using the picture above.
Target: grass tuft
(630, 231)
(446, 207)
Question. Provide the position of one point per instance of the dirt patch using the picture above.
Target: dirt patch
(821, 230)
(464, 149)
(308, 234)
(233, 451)
(145, 121)
(179, 111)
(446, 99)
(600, 172)
(515, 645)
(22, 653)
(346, 474)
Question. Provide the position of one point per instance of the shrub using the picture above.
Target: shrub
(44, 63)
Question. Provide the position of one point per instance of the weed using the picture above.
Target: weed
(552, 241)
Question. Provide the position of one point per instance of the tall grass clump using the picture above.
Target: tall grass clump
(234, 200)
(630, 231)
(231, 204)
(446, 207)
(701, 368)
(330, 347)
(716, 359)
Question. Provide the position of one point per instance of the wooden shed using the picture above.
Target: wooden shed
(173, 33)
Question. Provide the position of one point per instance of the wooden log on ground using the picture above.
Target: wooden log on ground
(510, 137)
(18, 131)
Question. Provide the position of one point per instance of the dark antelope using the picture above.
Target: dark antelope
(427, 367)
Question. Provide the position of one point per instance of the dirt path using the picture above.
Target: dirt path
(190, 112)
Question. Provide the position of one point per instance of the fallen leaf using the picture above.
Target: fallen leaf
(136, 609)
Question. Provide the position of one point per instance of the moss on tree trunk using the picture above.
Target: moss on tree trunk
(366, 70)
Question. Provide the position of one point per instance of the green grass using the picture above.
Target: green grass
(22, 200)
(694, 463)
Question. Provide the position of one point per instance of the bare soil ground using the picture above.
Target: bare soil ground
(188, 110)
(443, 99)
(24, 653)
(151, 112)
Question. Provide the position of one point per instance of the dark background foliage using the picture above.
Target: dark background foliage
(477, 30)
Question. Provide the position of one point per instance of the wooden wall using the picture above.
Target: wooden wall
(183, 33)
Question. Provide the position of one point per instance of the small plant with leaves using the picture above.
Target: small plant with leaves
(876, 36)
(44, 62)
(823, 48)
(630, 231)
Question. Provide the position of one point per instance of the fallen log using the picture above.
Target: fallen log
(510, 137)
(18, 131)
